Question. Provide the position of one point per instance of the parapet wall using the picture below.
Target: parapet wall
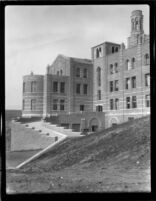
(23, 138)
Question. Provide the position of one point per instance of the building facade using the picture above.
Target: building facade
(112, 88)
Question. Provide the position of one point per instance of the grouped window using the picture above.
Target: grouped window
(146, 59)
(33, 104)
(58, 104)
(131, 102)
(130, 64)
(99, 94)
(147, 80)
(114, 85)
(33, 86)
(85, 89)
(98, 52)
(99, 108)
(82, 72)
(114, 104)
(130, 82)
(114, 68)
(147, 100)
(99, 76)
(115, 49)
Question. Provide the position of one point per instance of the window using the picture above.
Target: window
(61, 72)
(99, 108)
(99, 94)
(116, 85)
(99, 76)
(111, 69)
(85, 73)
(133, 63)
(55, 86)
(57, 72)
(81, 107)
(62, 87)
(146, 59)
(23, 104)
(62, 105)
(23, 87)
(33, 86)
(147, 100)
(55, 101)
(111, 86)
(98, 52)
(111, 104)
(116, 49)
(128, 67)
(147, 80)
(134, 102)
(85, 87)
(116, 104)
(78, 86)
(33, 104)
(78, 72)
(127, 86)
(133, 82)
(128, 104)
(116, 67)
(113, 49)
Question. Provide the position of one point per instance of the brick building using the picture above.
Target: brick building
(111, 88)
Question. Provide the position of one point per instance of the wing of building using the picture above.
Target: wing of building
(111, 88)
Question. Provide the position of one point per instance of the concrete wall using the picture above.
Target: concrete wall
(23, 138)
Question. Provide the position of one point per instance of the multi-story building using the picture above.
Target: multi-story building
(122, 76)
(112, 88)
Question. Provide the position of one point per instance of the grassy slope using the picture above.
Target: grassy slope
(117, 159)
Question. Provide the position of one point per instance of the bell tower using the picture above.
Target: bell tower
(137, 32)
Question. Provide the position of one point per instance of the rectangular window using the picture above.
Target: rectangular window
(116, 104)
(127, 86)
(62, 87)
(78, 86)
(85, 73)
(116, 68)
(77, 72)
(111, 86)
(134, 102)
(111, 104)
(33, 86)
(147, 80)
(23, 87)
(81, 107)
(23, 104)
(85, 87)
(128, 104)
(33, 104)
(55, 86)
(133, 82)
(116, 85)
(55, 101)
(99, 94)
(147, 100)
(111, 69)
(62, 104)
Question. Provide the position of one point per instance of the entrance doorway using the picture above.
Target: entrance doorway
(94, 125)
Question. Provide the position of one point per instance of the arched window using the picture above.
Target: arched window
(146, 59)
(111, 69)
(132, 24)
(99, 76)
(113, 49)
(33, 104)
(133, 62)
(61, 72)
(128, 67)
(78, 72)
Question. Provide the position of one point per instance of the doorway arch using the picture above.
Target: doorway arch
(94, 125)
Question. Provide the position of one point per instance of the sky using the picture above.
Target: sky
(35, 35)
